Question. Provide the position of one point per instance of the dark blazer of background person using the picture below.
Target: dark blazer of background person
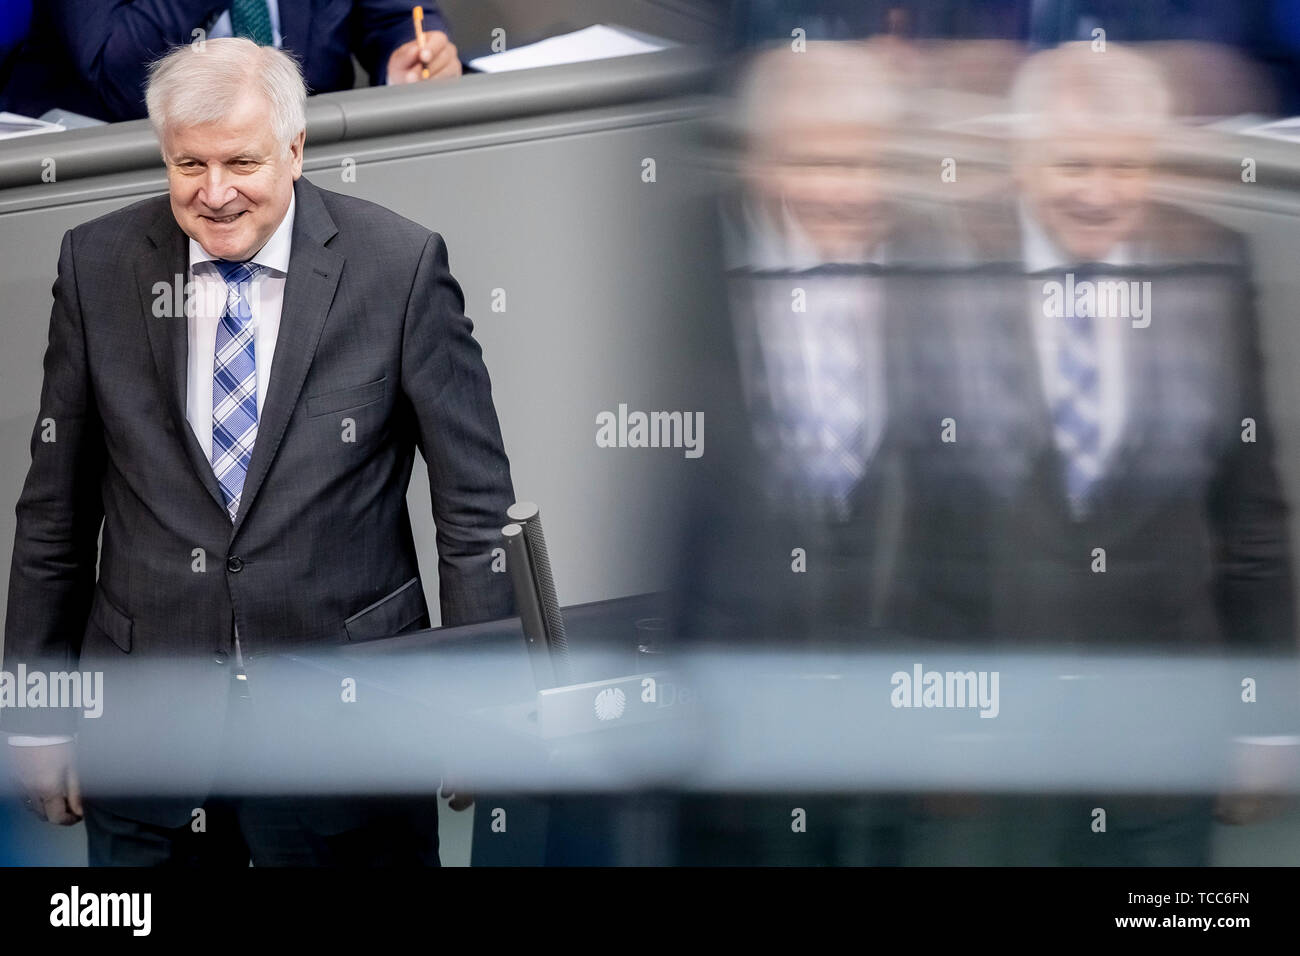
(91, 56)
(15, 21)
(1192, 518)
(373, 332)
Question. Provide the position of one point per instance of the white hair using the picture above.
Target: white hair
(200, 83)
(833, 82)
(1124, 89)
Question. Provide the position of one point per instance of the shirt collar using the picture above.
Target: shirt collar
(274, 254)
(1041, 254)
(768, 245)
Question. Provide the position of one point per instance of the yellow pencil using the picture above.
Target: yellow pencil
(417, 13)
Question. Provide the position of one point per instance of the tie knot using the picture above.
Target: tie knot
(238, 273)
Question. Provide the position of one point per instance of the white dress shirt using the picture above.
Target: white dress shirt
(757, 243)
(266, 299)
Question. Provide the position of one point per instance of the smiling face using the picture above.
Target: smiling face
(231, 181)
(1088, 186)
(831, 180)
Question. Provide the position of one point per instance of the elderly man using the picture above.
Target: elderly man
(1110, 487)
(248, 462)
(827, 265)
(1099, 372)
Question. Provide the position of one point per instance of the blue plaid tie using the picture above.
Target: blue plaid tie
(820, 421)
(1076, 412)
(836, 453)
(234, 383)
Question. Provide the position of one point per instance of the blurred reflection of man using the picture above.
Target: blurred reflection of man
(794, 549)
(1100, 377)
(822, 261)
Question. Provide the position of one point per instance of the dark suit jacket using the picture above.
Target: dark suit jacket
(92, 56)
(1192, 518)
(739, 585)
(372, 331)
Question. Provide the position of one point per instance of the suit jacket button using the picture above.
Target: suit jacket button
(234, 564)
(221, 657)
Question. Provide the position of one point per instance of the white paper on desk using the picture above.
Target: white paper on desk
(12, 125)
(593, 43)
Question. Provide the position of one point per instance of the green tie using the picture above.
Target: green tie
(252, 19)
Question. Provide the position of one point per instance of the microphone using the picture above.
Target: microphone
(539, 609)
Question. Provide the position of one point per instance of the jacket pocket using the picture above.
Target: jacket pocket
(344, 398)
(390, 615)
(117, 627)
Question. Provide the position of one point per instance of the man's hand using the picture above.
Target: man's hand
(1240, 809)
(1263, 777)
(408, 61)
(459, 798)
(48, 775)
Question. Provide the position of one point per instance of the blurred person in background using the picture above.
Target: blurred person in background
(91, 56)
(15, 21)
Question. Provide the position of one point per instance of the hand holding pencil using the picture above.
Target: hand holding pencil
(429, 56)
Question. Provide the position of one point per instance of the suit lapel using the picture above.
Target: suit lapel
(308, 293)
(165, 270)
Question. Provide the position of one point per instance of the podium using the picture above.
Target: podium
(607, 736)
